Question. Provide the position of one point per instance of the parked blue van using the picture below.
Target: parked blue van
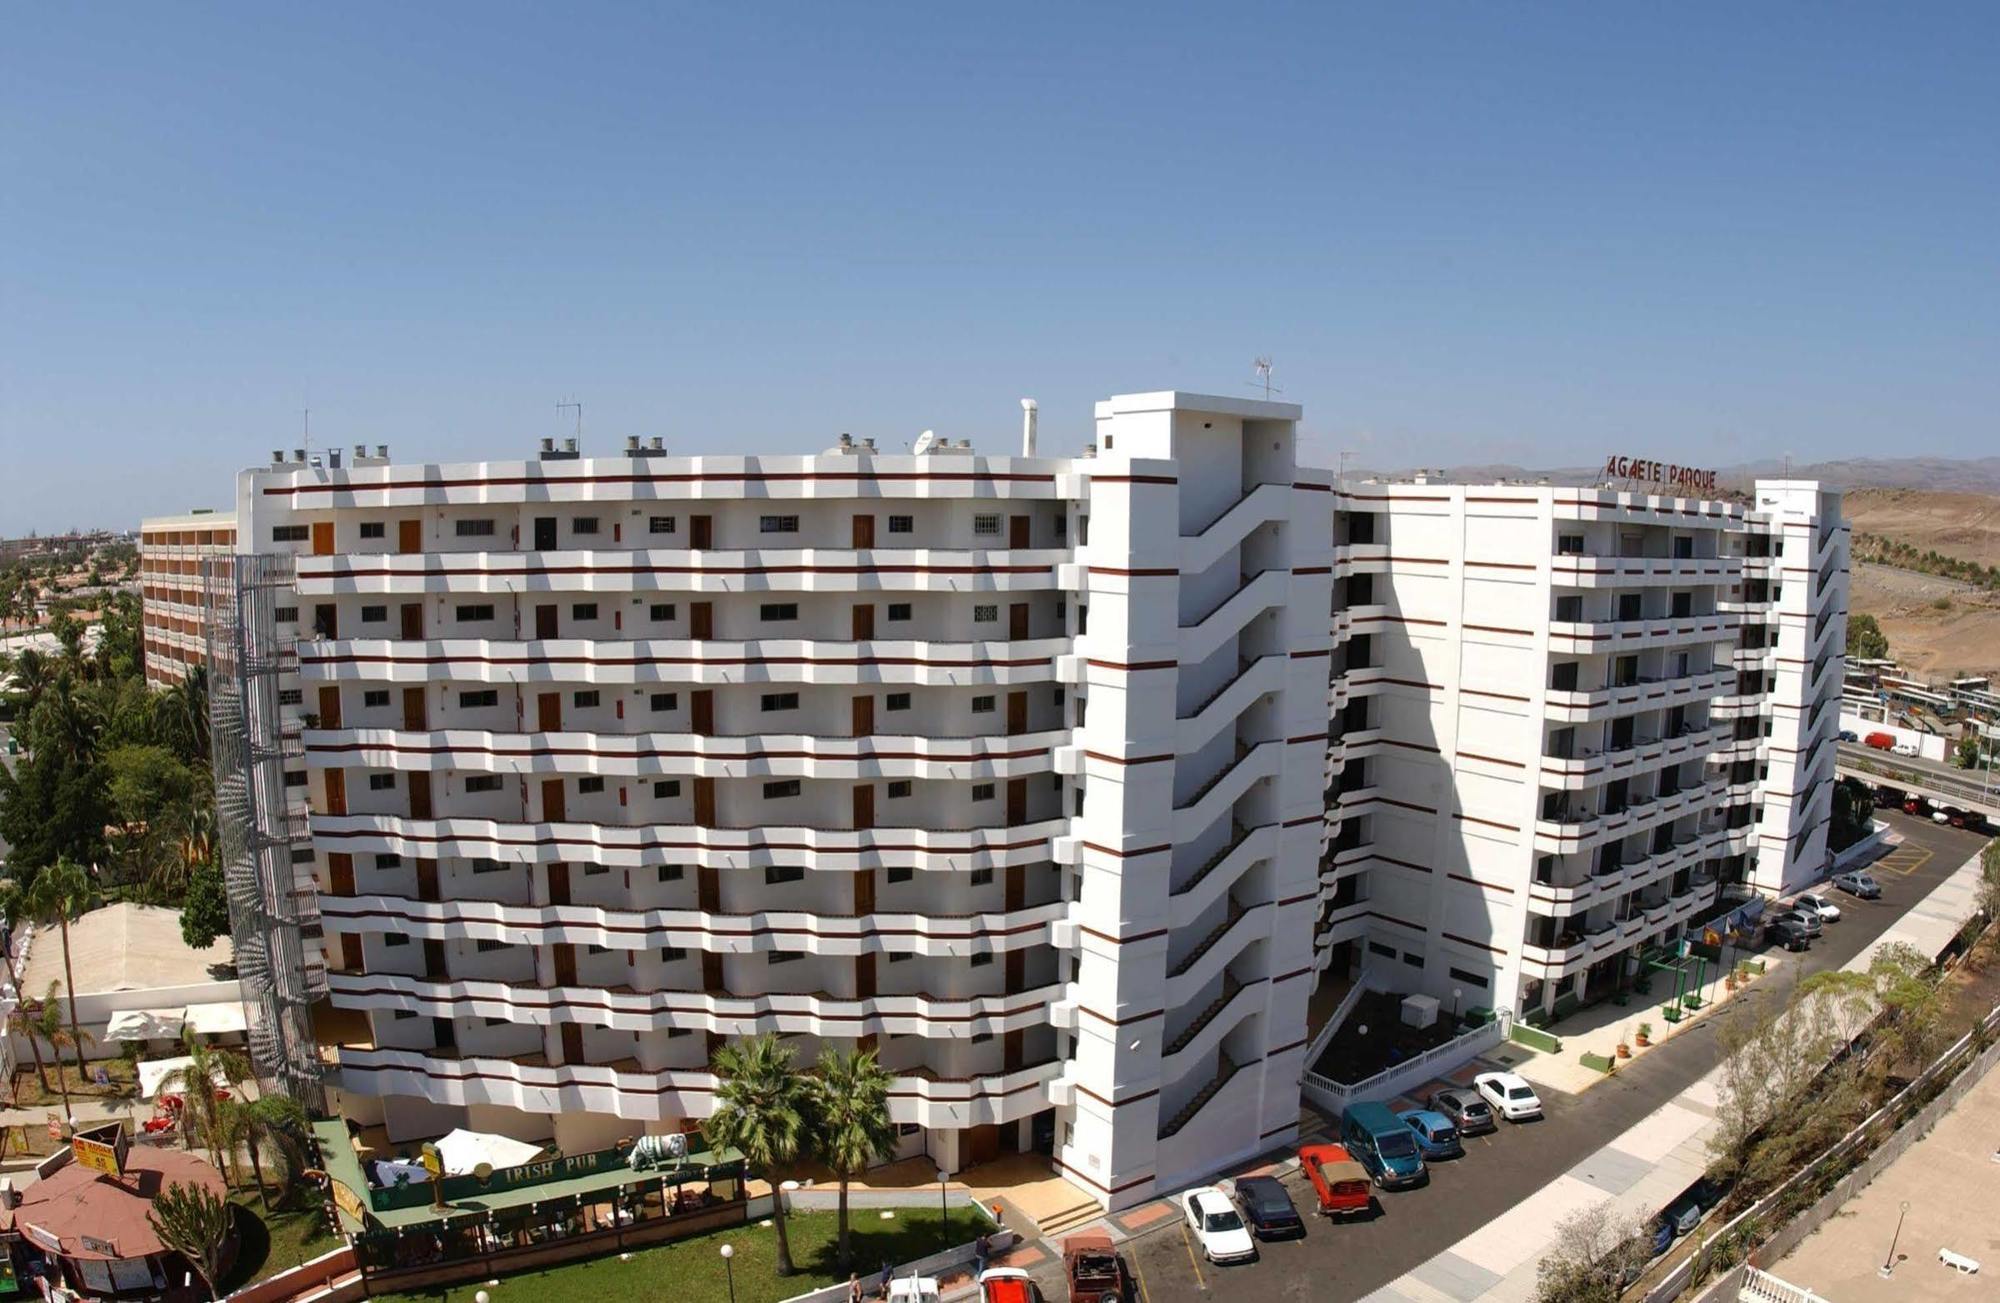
(1383, 1143)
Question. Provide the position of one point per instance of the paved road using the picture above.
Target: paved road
(1350, 1260)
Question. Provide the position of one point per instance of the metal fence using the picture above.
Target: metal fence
(1892, 1128)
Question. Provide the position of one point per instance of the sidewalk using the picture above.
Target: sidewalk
(1640, 1170)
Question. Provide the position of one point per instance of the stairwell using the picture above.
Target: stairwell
(1230, 986)
(1225, 1068)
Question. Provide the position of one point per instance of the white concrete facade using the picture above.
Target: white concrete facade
(1008, 767)
(1566, 727)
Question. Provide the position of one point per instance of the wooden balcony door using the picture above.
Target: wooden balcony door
(708, 889)
(351, 960)
(322, 538)
(413, 621)
(701, 532)
(1017, 713)
(340, 873)
(427, 880)
(336, 791)
(712, 984)
(548, 712)
(558, 884)
(554, 808)
(864, 717)
(1017, 801)
(409, 536)
(420, 794)
(1017, 887)
(416, 718)
(704, 802)
(434, 967)
(864, 532)
(864, 976)
(864, 621)
(329, 705)
(572, 1043)
(1017, 971)
(545, 620)
(701, 712)
(864, 806)
(1017, 621)
(1013, 1051)
(701, 621)
(565, 964)
(1017, 531)
(545, 533)
(864, 893)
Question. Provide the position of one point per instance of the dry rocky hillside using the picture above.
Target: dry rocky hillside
(1939, 627)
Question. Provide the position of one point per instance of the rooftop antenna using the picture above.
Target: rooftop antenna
(1262, 366)
(563, 407)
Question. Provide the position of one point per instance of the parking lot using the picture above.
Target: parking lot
(1348, 1260)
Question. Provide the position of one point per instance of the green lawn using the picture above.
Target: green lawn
(691, 1271)
(275, 1241)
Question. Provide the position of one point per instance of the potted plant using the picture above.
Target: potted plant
(1624, 1048)
(1645, 1034)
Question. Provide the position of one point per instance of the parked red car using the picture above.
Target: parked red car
(1340, 1183)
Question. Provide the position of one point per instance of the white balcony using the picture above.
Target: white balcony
(660, 755)
(622, 1009)
(759, 570)
(722, 848)
(883, 932)
(538, 1087)
(1647, 694)
(1587, 637)
(608, 662)
(1572, 571)
(1591, 768)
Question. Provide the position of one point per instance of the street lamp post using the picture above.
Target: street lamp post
(729, 1252)
(1456, 992)
(1889, 1263)
(944, 1209)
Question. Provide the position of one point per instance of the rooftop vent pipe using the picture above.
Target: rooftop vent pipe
(1028, 414)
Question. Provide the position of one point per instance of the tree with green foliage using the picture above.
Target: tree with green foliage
(1853, 813)
(1865, 638)
(16, 908)
(205, 912)
(43, 1018)
(851, 1121)
(1968, 753)
(1594, 1251)
(196, 1223)
(63, 891)
(1989, 881)
(205, 1109)
(763, 1107)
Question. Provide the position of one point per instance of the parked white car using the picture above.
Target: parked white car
(1218, 1228)
(1511, 1097)
(1813, 903)
(1905, 750)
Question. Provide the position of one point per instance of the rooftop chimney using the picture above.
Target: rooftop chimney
(360, 451)
(1028, 413)
(382, 451)
(631, 443)
(569, 445)
(298, 454)
(277, 456)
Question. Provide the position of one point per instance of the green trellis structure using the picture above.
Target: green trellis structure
(1687, 968)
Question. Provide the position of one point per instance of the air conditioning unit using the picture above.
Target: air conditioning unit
(1061, 1092)
(1063, 934)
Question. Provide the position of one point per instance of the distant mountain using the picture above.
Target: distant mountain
(1946, 474)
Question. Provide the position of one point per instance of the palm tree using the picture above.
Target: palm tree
(63, 889)
(854, 1131)
(281, 1120)
(762, 1107)
(204, 1117)
(46, 1021)
(15, 907)
(66, 1038)
(194, 1222)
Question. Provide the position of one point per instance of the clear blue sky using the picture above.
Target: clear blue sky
(1481, 232)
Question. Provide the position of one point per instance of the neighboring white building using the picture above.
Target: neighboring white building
(173, 609)
(1566, 721)
(1052, 779)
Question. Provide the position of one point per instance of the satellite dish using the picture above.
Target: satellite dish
(924, 442)
(484, 1171)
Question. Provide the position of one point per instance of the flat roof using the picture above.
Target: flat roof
(124, 947)
(344, 1165)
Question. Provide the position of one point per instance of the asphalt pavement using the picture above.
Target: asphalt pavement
(1349, 1260)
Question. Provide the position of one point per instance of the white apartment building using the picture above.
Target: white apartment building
(1058, 781)
(173, 610)
(1008, 767)
(1568, 725)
